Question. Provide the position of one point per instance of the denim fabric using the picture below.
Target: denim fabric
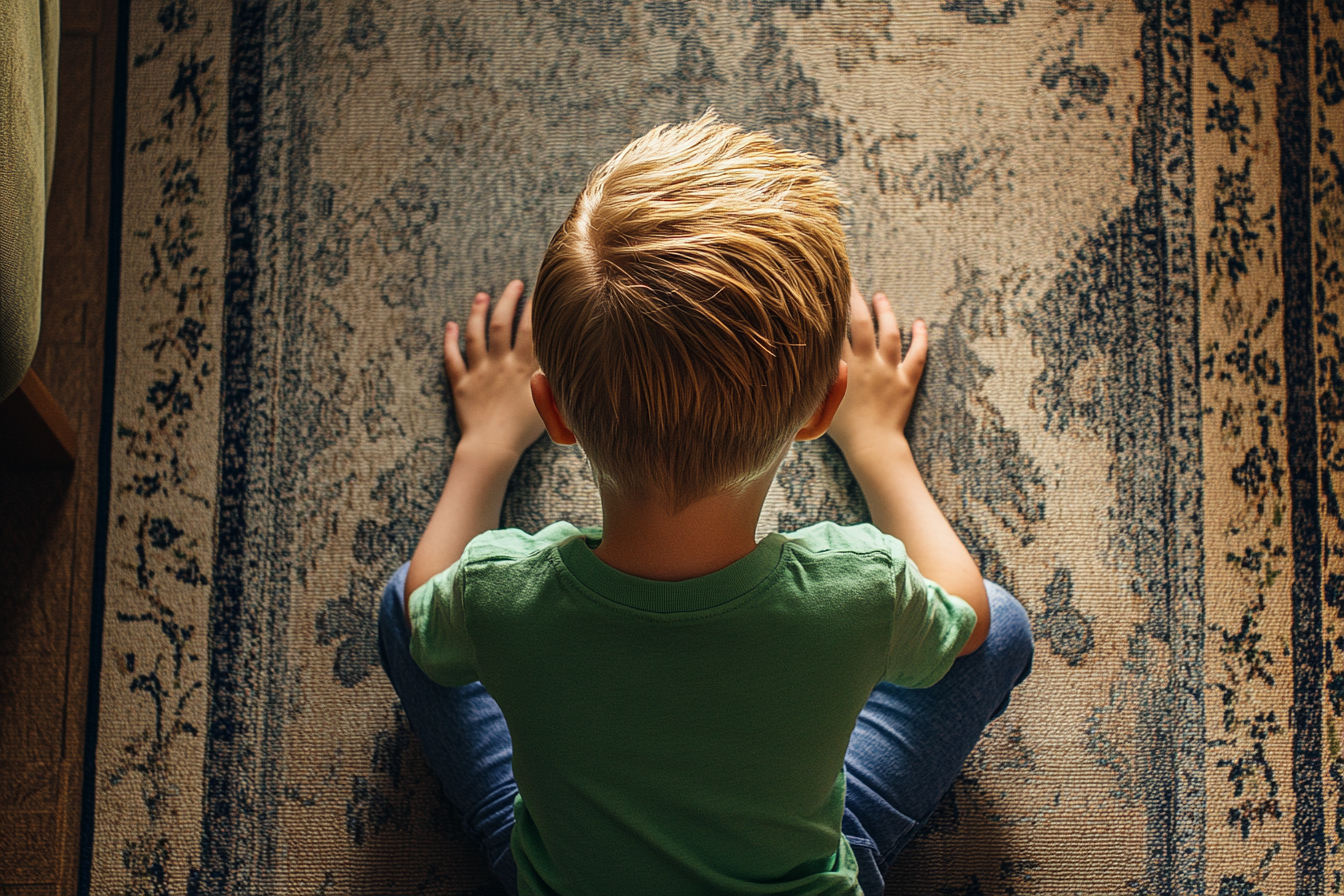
(906, 750)
(909, 745)
(463, 735)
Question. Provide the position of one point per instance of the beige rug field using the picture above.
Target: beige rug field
(1123, 221)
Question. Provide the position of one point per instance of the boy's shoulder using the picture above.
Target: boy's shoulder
(515, 544)
(823, 539)
(828, 537)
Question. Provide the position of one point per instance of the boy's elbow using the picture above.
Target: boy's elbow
(978, 598)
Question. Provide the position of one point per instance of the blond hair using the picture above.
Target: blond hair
(689, 312)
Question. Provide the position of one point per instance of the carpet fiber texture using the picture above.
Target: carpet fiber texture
(1123, 220)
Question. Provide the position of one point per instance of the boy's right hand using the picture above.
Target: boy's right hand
(882, 385)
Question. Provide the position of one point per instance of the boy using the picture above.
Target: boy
(689, 711)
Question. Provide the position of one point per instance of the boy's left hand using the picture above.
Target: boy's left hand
(882, 383)
(490, 388)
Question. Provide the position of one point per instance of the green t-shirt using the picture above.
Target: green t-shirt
(684, 737)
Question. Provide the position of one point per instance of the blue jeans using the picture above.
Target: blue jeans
(907, 748)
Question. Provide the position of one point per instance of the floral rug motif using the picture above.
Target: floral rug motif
(1123, 221)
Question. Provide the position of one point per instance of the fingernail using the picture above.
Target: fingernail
(481, 298)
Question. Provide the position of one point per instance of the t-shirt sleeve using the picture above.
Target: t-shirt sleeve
(929, 630)
(440, 644)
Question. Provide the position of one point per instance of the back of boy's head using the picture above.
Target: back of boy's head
(689, 312)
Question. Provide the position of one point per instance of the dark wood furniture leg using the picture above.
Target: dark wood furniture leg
(34, 431)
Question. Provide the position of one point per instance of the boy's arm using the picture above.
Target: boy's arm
(470, 504)
(869, 429)
(497, 421)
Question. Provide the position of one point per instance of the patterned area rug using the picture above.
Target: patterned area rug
(1122, 220)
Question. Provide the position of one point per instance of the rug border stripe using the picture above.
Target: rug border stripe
(1171, 720)
(98, 595)
(221, 799)
(1183, 514)
(1299, 349)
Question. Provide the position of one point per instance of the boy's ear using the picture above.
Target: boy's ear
(821, 420)
(550, 414)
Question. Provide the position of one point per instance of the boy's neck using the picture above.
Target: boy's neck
(640, 538)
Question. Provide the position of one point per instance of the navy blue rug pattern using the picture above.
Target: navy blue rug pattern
(1122, 221)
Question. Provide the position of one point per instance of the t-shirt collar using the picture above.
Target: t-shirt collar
(701, 593)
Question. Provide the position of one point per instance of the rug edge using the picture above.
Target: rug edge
(98, 595)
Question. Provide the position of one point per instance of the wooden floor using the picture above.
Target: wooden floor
(48, 519)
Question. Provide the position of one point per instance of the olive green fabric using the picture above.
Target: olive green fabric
(689, 736)
(30, 34)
